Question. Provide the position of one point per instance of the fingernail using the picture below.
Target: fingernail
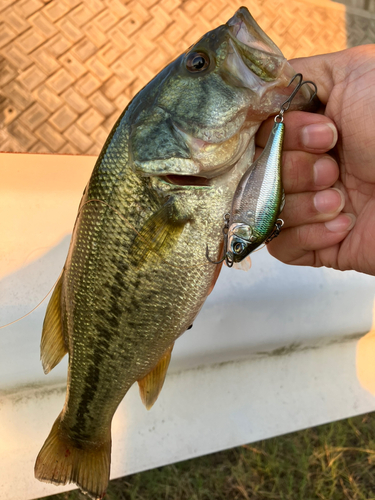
(325, 171)
(329, 200)
(344, 222)
(319, 136)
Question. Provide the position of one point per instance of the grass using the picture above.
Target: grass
(330, 462)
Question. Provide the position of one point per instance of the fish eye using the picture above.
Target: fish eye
(238, 247)
(197, 61)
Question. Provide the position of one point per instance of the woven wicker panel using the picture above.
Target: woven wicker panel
(69, 67)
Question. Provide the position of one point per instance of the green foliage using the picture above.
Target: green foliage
(331, 462)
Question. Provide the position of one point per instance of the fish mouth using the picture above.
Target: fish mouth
(244, 29)
(253, 59)
(256, 63)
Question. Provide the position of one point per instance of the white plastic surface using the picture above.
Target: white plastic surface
(273, 350)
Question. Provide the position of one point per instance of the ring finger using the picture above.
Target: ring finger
(307, 208)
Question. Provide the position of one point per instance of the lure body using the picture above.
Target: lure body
(258, 200)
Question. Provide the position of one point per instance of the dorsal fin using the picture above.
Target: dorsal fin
(151, 385)
(52, 345)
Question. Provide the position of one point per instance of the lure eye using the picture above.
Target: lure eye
(197, 61)
(238, 247)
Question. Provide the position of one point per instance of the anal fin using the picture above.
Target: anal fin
(52, 345)
(151, 385)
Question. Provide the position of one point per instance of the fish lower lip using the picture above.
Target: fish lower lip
(186, 180)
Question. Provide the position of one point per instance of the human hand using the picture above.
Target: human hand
(330, 227)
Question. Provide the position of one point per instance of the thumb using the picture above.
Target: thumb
(321, 70)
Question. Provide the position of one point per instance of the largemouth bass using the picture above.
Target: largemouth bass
(136, 274)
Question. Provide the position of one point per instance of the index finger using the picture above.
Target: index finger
(319, 69)
(308, 132)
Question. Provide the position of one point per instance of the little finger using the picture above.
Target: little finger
(302, 245)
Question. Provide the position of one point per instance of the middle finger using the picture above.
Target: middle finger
(303, 172)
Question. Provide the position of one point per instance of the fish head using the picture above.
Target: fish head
(198, 117)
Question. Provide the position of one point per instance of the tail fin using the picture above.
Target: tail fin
(60, 461)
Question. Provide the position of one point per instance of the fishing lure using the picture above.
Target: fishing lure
(259, 197)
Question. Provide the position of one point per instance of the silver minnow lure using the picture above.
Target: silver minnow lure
(259, 197)
(258, 200)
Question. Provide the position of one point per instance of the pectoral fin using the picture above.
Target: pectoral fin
(52, 346)
(158, 235)
(151, 385)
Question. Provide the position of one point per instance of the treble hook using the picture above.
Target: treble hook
(225, 257)
(286, 104)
